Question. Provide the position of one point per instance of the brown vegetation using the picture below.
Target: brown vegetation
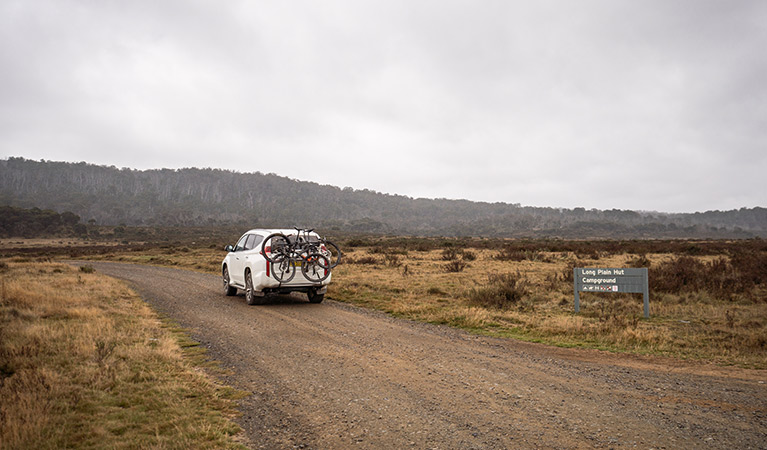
(709, 301)
(708, 298)
(75, 346)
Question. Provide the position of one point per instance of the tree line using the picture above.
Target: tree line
(212, 197)
(15, 222)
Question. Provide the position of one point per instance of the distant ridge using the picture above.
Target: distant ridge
(203, 197)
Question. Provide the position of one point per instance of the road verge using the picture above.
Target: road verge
(85, 362)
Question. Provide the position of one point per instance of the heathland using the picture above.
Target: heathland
(76, 345)
(708, 299)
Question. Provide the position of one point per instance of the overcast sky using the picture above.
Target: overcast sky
(645, 105)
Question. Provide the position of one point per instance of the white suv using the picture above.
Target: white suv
(245, 267)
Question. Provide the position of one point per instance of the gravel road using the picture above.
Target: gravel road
(336, 376)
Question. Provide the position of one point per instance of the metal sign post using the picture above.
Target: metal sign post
(633, 281)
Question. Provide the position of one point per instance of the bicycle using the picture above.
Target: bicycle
(318, 244)
(308, 251)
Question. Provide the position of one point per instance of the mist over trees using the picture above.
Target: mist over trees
(209, 197)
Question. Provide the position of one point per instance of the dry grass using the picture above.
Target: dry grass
(199, 259)
(727, 326)
(532, 299)
(85, 363)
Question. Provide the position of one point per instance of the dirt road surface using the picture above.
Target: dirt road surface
(335, 376)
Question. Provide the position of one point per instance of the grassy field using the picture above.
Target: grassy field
(75, 345)
(532, 299)
(708, 299)
(85, 363)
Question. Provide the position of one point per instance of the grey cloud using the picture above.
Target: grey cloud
(607, 104)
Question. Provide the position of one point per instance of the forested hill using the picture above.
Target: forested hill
(112, 196)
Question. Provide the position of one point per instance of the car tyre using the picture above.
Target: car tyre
(228, 290)
(314, 297)
(250, 295)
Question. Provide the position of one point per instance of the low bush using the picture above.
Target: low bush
(517, 255)
(392, 260)
(502, 291)
(455, 266)
(364, 260)
(452, 253)
(353, 243)
(723, 278)
(449, 254)
(511, 254)
(468, 255)
(639, 262)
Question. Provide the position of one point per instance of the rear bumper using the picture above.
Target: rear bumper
(298, 284)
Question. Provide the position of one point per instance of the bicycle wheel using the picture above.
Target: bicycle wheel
(284, 270)
(332, 253)
(276, 248)
(315, 268)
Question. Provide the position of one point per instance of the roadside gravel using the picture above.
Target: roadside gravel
(336, 376)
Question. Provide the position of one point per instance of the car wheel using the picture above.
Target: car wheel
(228, 290)
(314, 297)
(250, 294)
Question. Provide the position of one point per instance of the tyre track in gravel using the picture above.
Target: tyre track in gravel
(337, 376)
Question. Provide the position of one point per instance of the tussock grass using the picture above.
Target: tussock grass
(502, 291)
(85, 363)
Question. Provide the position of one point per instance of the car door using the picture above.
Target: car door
(251, 255)
(237, 261)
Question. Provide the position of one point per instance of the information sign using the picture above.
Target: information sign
(612, 280)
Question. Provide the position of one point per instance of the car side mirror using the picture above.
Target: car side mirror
(229, 248)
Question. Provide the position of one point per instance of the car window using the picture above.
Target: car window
(241, 243)
(250, 242)
(257, 244)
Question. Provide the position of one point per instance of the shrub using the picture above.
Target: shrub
(502, 291)
(468, 255)
(455, 266)
(639, 262)
(452, 253)
(352, 243)
(752, 266)
(568, 273)
(87, 269)
(423, 247)
(449, 254)
(510, 254)
(676, 275)
(392, 260)
(369, 260)
(720, 277)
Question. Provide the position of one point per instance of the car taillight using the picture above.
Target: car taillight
(268, 249)
(267, 267)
